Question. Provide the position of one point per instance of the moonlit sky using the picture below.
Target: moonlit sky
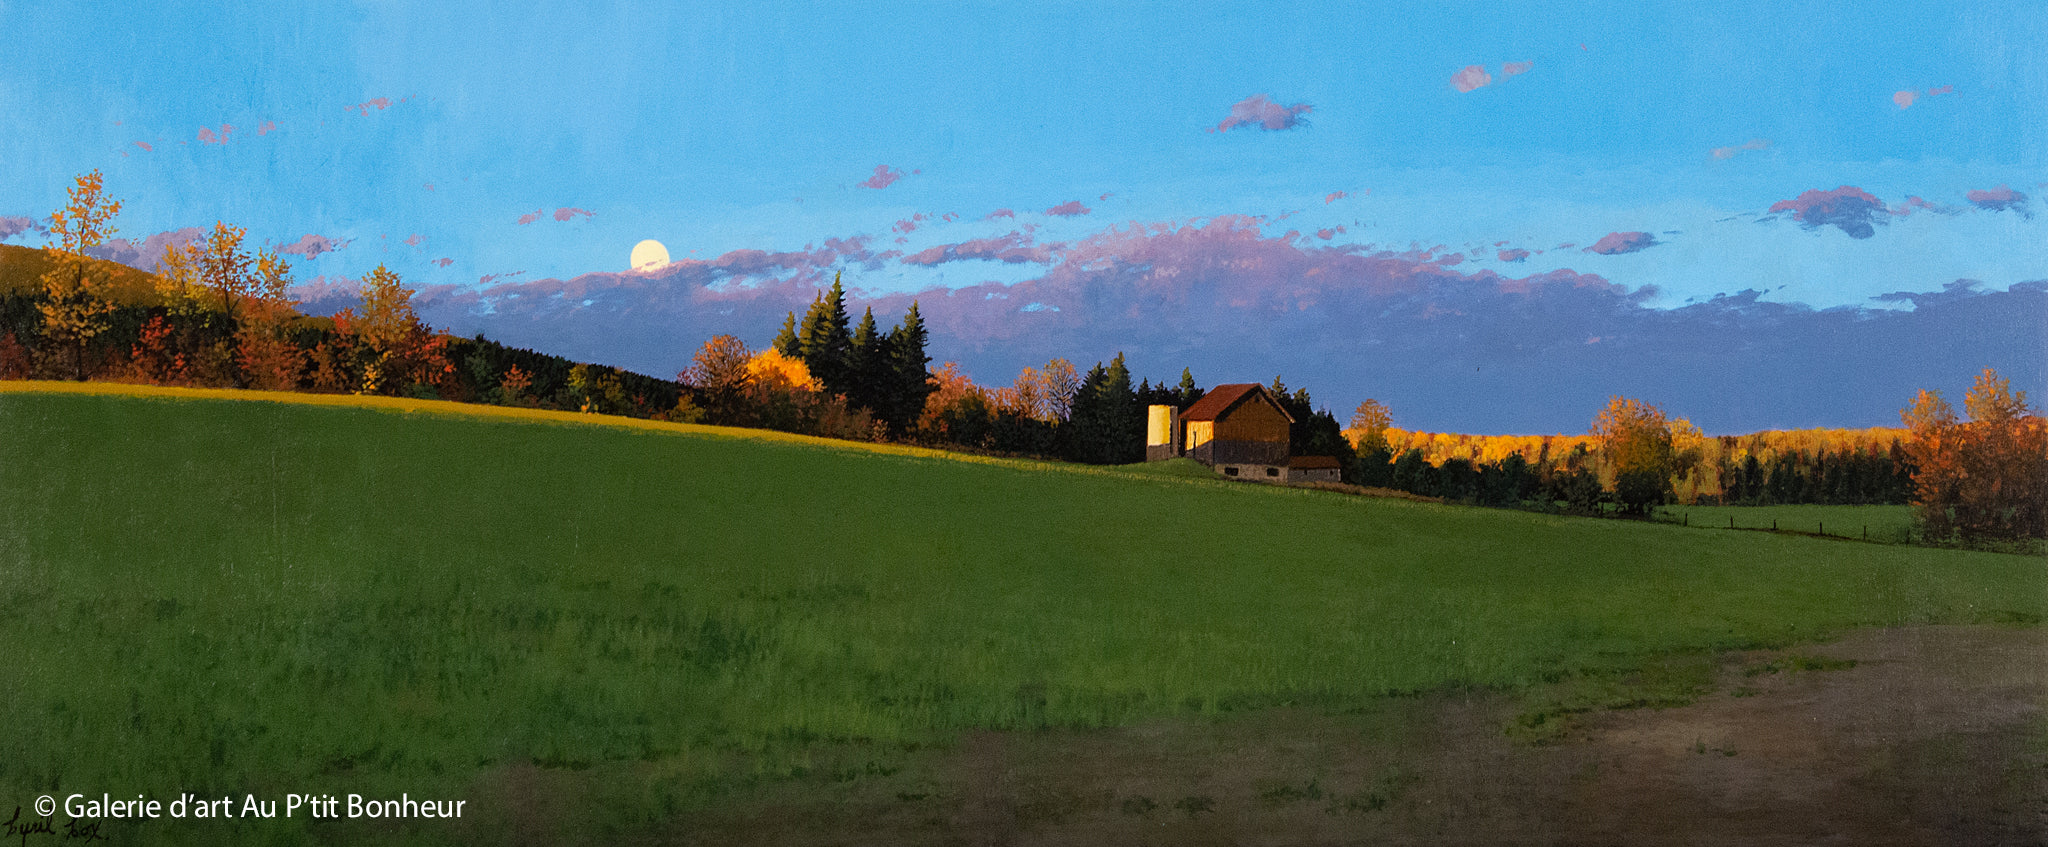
(467, 147)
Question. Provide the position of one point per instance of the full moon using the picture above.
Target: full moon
(649, 255)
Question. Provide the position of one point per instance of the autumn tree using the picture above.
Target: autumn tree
(266, 355)
(718, 377)
(390, 350)
(1981, 478)
(1635, 440)
(75, 308)
(1370, 421)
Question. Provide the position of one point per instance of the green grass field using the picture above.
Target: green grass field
(1889, 524)
(223, 597)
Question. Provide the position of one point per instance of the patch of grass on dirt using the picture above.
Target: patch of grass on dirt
(1662, 682)
(1797, 663)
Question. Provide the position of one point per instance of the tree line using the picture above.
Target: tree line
(1983, 477)
(218, 315)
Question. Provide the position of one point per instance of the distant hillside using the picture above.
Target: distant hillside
(22, 269)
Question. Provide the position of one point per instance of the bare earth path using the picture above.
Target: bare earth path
(1935, 735)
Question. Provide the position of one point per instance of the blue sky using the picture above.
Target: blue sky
(716, 129)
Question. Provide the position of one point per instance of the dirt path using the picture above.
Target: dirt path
(1934, 735)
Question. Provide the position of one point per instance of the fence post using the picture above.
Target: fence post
(1820, 528)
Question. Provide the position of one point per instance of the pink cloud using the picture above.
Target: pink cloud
(415, 240)
(145, 254)
(535, 215)
(442, 262)
(430, 186)
(1752, 144)
(487, 279)
(1000, 213)
(207, 136)
(1335, 196)
(1516, 68)
(1906, 98)
(1617, 243)
(266, 128)
(145, 146)
(2000, 199)
(883, 178)
(565, 214)
(1106, 195)
(1332, 232)
(1471, 78)
(1261, 111)
(1069, 209)
(1015, 248)
(379, 103)
(13, 226)
(1915, 203)
(909, 225)
(311, 246)
(1514, 255)
(1848, 208)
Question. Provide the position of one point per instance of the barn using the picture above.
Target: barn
(1241, 430)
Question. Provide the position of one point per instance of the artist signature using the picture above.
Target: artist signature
(19, 830)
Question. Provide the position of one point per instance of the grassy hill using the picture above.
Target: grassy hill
(205, 594)
(22, 269)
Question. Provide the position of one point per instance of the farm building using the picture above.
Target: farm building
(1314, 469)
(1241, 430)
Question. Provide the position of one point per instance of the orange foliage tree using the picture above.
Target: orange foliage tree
(1982, 478)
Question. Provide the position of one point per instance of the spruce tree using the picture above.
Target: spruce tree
(1123, 436)
(785, 341)
(870, 365)
(1189, 391)
(1080, 436)
(910, 372)
(824, 342)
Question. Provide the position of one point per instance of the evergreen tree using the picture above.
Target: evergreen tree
(785, 341)
(1409, 470)
(1189, 392)
(1080, 436)
(869, 365)
(824, 342)
(1124, 435)
(909, 382)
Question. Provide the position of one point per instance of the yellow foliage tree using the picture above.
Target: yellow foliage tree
(74, 307)
(1635, 439)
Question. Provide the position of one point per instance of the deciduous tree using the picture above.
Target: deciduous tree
(1635, 440)
(75, 308)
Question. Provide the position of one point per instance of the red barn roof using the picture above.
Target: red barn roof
(1223, 398)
